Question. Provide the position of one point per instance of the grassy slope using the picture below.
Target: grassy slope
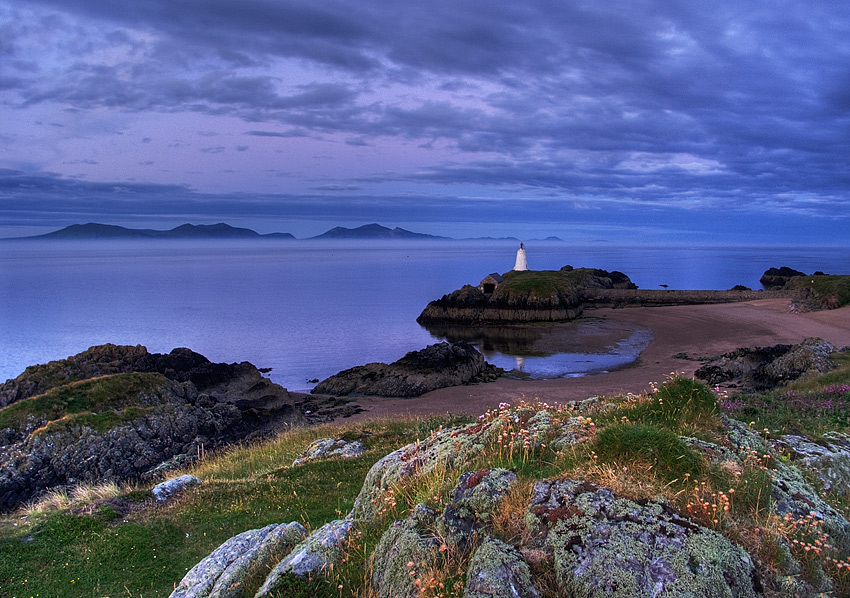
(830, 291)
(99, 402)
(635, 449)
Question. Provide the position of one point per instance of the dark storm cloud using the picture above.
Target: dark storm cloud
(679, 102)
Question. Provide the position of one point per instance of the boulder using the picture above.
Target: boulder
(497, 570)
(312, 556)
(325, 448)
(604, 545)
(436, 366)
(174, 486)
(474, 500)
(222, 574)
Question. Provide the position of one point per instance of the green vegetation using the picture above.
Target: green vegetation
(538, 283)
(811, 406)
(100, 402)
(829, 291)
(633, 445)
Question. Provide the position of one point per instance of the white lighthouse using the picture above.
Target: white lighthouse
(521, 261)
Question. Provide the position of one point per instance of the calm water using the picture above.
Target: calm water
(308, 309)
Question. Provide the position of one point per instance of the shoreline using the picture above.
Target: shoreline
(696, 330)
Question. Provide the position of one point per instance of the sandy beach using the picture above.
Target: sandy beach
(695, 330)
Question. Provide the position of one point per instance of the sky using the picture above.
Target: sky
(716, 122)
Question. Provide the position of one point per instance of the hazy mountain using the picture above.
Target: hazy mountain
(185, 231)
(373, 231)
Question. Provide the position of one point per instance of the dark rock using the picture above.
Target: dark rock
(436, 366)
(762, 368)
(778, 277)
(137, 415)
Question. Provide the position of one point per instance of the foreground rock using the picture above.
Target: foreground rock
(437, 366)
(762, 368)
(580, 538)
(116, 413)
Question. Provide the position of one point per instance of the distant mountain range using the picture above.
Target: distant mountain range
(185, 231)
(225, 231)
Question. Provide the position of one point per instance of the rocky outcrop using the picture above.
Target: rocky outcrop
(775, 278)
(828, 456)
(229, 382)
(603, 545)
(761, 368)
(436, 366)
(592, 541)
(525, 296)
(115, 413)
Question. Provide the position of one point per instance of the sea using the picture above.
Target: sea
(308, 309)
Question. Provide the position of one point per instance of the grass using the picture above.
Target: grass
(100, 402)
(635, 448)
(539, 283)
(830, 291)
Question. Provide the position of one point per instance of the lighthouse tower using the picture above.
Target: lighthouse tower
(521, 262)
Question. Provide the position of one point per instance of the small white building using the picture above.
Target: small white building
(521, 261)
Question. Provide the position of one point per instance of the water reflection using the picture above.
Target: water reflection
(540, 351)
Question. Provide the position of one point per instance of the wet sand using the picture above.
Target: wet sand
(696, 330)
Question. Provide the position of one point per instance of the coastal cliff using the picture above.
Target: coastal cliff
(119, 413)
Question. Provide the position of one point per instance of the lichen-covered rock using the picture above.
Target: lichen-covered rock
(311, 557)
(436, 366)
(473, 502)
(497, 570)
(168, 488)
(609, 546)
(223, 572)
(809, 357)
(405, 548)
(326, 448)
(451, 447)
(828, 457)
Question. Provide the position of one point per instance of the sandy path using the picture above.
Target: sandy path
(697, 330)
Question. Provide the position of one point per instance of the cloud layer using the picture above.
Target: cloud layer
(716, 107)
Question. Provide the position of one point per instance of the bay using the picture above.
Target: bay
(308, 309)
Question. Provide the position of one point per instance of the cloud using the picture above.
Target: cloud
(622, 103)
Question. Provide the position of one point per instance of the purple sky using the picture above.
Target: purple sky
(631, 121)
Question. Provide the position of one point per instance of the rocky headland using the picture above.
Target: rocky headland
(120, 412)
(522, 296)
(563, 295)
(437, 366)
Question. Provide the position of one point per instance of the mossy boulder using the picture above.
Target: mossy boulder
(609, 546)
(497, 570)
